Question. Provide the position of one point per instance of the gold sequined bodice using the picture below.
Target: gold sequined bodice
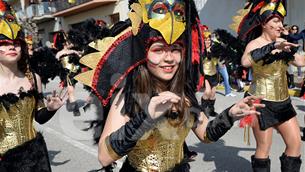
(16, 122)
(209, 66)
(161, 148)
(270, 81)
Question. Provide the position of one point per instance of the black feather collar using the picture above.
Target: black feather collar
(11, 98)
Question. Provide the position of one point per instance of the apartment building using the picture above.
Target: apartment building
(51, 16)
(54, 15)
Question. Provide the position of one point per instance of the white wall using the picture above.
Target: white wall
(47, 28)
(296, 13)
(102, 12)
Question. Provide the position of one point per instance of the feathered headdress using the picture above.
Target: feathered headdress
(256, 12)
(9, 28)
(125, 49)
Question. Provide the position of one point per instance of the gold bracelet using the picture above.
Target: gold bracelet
(206, 139)
(110, 151)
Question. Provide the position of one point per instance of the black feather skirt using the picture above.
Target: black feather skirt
(31, 156)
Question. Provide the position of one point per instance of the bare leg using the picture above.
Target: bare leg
(207, 90)
(291, 158)
(213, 92)
(263, 140)
(260, 161)
(290, 132)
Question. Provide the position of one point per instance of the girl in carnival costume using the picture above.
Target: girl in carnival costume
(155, 108)
(22, 148)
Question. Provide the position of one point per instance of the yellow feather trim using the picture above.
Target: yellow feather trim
(135, 17)
(91, 60)
(238, 18)
(85, 78)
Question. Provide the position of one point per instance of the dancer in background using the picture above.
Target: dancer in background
(70, 67)
(269, 56)
(210, 77)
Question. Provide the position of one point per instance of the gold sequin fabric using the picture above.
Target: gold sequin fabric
(161, 148)
(16, 119)
(270, 81)
(209, 66)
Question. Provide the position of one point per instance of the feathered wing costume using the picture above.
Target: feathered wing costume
(44, 63)
(227, 47)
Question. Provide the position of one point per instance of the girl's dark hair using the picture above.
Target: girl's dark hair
(23, 62)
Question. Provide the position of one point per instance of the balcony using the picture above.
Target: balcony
(66, 4)
(46, 10)
(40, 12)
(64, 8)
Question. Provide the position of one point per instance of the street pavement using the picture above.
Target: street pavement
(71, 149)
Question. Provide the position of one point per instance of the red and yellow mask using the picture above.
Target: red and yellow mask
(8, 22)
(166, 16)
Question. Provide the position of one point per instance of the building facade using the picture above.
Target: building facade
(51, 16)
(54, 15)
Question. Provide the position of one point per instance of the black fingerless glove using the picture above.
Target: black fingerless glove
(43, 115)
(219, 126)
(124, 139)
(262, 53)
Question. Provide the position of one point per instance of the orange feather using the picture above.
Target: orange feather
(2, 6)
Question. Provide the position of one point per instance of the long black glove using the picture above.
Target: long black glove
(43, 115)
(262, 53)
(125, 138)
(219, 126)
(286, 56)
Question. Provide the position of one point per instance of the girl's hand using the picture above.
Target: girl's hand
(55, 101)
(284, 45)
(159, 104)
(245, 107)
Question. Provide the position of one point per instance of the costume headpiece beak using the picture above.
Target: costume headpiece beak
(9, 27)
(165, 16)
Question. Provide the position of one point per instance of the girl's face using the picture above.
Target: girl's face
(274, 27)
(207, 42)
(163, 60)
(10, 52)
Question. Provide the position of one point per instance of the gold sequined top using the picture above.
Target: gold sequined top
(209, 66)
(161, 148)
(270, 80)
(16, 119)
